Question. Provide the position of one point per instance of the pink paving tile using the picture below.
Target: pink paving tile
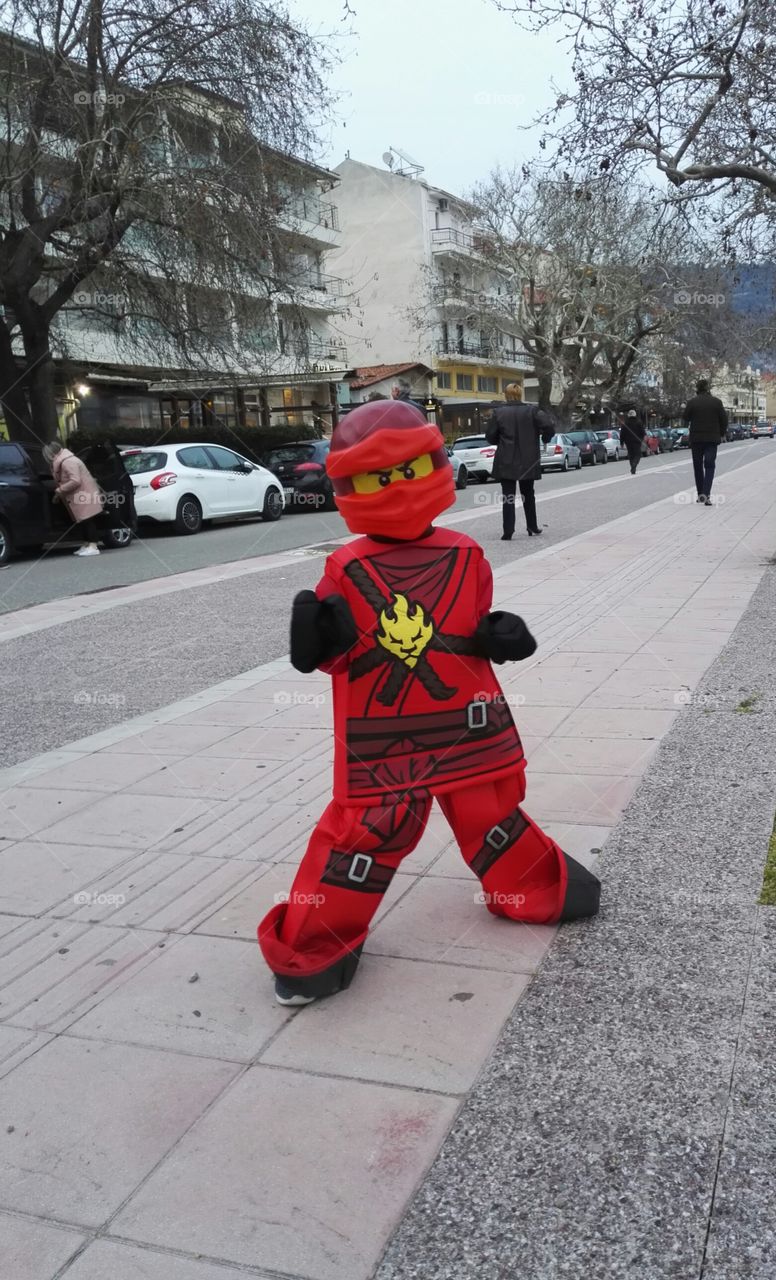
(592, 798)
(100, 771)
(174, 739)
(615, 723)
(240, 1198)
(612, 756)
(72, 968)
(35, 1250)
(24, 810)
(210, 996)
(35, 875)
(131, 821)
(108, 1259)
(210, 778)
(428, 1026)
(100, 1116)
(444, 920)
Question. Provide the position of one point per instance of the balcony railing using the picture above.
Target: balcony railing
(331, 349)
(331, 285)
(319, 212)
(470, 242)
(485, 351)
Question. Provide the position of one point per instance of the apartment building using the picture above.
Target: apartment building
(425, 290)
(269, 352)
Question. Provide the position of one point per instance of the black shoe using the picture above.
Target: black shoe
(707, 500)
(506, 537)
(284, 994)
(532, 532)
(700, 498)
(583, 891)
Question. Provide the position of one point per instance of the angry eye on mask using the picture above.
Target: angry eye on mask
(375, 481)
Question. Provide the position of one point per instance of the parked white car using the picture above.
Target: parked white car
(477, 455)
(184, 484)
(611, 441)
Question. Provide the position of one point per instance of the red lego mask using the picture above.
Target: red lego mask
(390, 470)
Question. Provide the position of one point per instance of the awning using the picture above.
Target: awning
(309, 377)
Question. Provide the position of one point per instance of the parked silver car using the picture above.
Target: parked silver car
(561, 452)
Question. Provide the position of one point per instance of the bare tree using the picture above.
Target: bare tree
(592, 271)
(145, 185)
(684, 87)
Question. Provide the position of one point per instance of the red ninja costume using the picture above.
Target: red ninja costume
(401, 619)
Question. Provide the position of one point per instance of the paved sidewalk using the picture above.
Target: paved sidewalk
(162, 1118)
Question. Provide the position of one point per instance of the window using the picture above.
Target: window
(224, 459)
(195, 457)
(444, 381)
(138, 463)
(487, 384)
(463, 381)
(13, 461)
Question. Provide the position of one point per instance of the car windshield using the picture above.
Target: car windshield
(603, 435)
(149, 460)
(470, 442)
(579, 437)
(289, 453)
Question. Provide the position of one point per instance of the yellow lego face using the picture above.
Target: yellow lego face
(374, 481)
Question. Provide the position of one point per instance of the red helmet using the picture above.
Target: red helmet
(390, 470)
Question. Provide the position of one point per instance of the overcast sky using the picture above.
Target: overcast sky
(450, 82)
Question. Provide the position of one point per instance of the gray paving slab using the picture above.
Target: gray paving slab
(624, 1125)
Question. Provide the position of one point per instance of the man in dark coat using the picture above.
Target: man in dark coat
(632, 432)
(708, 422)
(515, 429)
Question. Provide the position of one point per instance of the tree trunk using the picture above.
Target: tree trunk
(12, 393)
(41, 383)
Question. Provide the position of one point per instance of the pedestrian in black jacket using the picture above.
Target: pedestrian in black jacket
(707, 419)
(515, 429)
(632, 432)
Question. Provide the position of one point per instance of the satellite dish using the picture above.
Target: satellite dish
(388, 159)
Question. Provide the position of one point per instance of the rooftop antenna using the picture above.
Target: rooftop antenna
(408, 167)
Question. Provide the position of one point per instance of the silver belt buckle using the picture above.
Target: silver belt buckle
(497, 837)
(477, 714)
(364, 864)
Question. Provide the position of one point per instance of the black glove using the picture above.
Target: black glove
(503, 637)
(320, 630)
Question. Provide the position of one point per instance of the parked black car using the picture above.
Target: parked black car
(592, 449)
(29, 517)
(735, 431)
(301, 469)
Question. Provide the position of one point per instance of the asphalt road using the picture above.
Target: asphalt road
(158, 553)
(140, 656)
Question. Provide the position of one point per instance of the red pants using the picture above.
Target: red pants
(353, 855)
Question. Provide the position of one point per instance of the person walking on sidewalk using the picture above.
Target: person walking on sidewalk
(79, 491)
(515, 429)
(632, 432)
(707, 419)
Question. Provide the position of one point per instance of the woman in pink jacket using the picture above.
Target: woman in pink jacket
(79, 491)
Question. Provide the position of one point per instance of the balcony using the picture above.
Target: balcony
(449, 293)
(316, 221)
(450, 240)
(489, 352)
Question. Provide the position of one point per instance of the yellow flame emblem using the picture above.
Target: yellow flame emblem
(404, 630)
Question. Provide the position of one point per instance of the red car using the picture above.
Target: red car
(651, 443)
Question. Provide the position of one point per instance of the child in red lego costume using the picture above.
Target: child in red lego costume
(402, 621)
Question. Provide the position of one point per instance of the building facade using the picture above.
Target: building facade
(424, 287)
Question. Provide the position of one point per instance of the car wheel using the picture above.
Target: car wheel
(605, 458)
(328, 500)
(578, 467)
(565, 464)
(273, 504)
(6, 544)
(462, 479)
(118, 537)
(593, 459)
(188, 517)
